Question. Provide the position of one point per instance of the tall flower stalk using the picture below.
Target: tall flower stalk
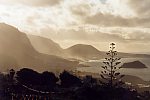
(110, 74)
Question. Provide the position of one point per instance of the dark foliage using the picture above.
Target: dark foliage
(48, 78)
(69, 80)
(45, 81)
(145, 95)
(98, 92)
(89, 81)
(72, 88)
(28, 77)
(5, 86)
(11, 74)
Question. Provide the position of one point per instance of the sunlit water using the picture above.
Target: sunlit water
(143, 73)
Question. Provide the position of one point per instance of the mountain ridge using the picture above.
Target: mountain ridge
(96, 54)
(80, 51)
(45, 45)
(84, 51)
(16, 51)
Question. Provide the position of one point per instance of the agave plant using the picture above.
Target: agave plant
(110, 74)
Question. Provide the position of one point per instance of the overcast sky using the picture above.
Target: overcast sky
(95, 22)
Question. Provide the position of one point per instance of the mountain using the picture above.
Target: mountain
(16, 52)
(134, 64)
(45, 45)
(82, 51)
(75, 52)
(88, 52)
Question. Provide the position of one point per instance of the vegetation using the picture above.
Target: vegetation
(27, 84)
(69, 80)
(66, 87)
(110, 75)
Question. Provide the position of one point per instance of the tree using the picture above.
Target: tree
(88, 80)
(69, 80)
(110, 74)
(28, 77)
(48, 79)
(11, 74)
(45, 81)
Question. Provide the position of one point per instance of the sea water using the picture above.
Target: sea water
(144, 73)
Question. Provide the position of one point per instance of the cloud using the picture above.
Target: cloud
(81, 35)
(38, 3)
(80, 10)
(109, 20)
(141, 7)
(106, 20)
(127, 40)
(134, 36)
(111, 34)
(143, 37)
(121, 21)
(112, 13)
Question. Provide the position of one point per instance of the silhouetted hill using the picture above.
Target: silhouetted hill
(134, 64)
(16, 51)
(45, 45)
(135, 80)
(82, 51)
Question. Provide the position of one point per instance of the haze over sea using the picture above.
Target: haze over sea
(143, 73)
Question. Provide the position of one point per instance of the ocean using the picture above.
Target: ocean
(95, 67)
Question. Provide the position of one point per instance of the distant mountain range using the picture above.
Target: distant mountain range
(17, 50)
(78, 51)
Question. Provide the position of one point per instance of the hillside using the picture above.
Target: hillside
(82, 51)
(88, 52)
(76, 52)
(16, 51)
(45, 45)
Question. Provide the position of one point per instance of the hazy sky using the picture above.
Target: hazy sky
(95, 22)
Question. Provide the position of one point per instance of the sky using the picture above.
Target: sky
(94, 22)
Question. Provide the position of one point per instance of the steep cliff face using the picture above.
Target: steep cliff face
(45, 45)
(16, 51)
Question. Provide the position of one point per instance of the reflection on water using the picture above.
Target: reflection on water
(142, 73)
